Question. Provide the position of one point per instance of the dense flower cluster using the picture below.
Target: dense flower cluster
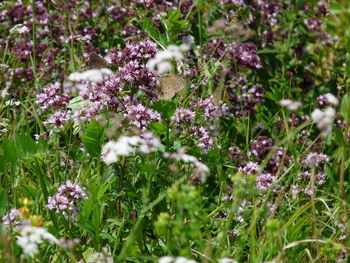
(51, 97)
(315, 159)
(59, 118)
(245, 54)
(12, 217)
(140, 116)
(244, 96)
(31, 237)
(132, 63)
(250, 168)
(261, 146)
(205, 141)
(264, 181)
(212, 111)
(183, 116)
(66, 199)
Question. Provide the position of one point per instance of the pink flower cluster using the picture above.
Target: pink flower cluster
(66, 199)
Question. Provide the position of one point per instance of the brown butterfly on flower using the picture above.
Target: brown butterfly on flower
(94, 61)
(169, 85)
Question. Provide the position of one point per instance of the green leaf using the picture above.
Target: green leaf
(339, 137)
(166, 108)
(92, 138)
(3, 203)
(158, 128)
(345, 106)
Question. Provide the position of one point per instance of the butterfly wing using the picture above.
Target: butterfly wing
(169, 85)
(96, 62)
(166, 91)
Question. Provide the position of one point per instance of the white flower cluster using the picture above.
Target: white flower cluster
(101, 257)
(202, 170)
(31, 237)
(324, 118)
(91, 75)
(19, 28)
(291, 105)
(162, 60)
(169, 259)
(126, 145)
(123, 147)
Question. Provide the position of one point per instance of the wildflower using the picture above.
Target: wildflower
(162, 59)
(261, 145)
(245, 54)
(19, 28)
(123, 147)
(291, 105)
(183, 115)
(327, 99)
(250, 168)
(31, 237)
(211, 111)
(315, 159)
(59, 118)
(324, 119)
(264, 181)
(101, 257)
(202, 169)
(91, 75)
(50, 97)
(12, 217)
(148, 143)
(65, 200)
(141, 116)
(295, 190)
(168, 259)
(205, 141)
(132, 63)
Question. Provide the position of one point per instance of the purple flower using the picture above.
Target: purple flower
(264, 181)
(65, 200)
(132, 62)
(278, 158)
(250, 168)
(141, 116)
(211, 111)
(12, 217)
(51, 97)
(315, 159)
(245, 54)
(261, 146)
(183, 115)
(148, 143)
(244, 96)
(59, 118)
(205, 141)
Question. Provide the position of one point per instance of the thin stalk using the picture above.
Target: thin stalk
(45, 192)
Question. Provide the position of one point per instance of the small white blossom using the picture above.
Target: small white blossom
(324, 119)
(19, 28)
(201, 169)
(162, 60)
(31, 237)
(168, 259)
(123, 147)
(291, 105)
(332, 99)
(227, 260)
(101, 257)
(91, 75)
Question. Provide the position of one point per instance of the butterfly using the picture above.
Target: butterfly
(169, 85)
(94, 61)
